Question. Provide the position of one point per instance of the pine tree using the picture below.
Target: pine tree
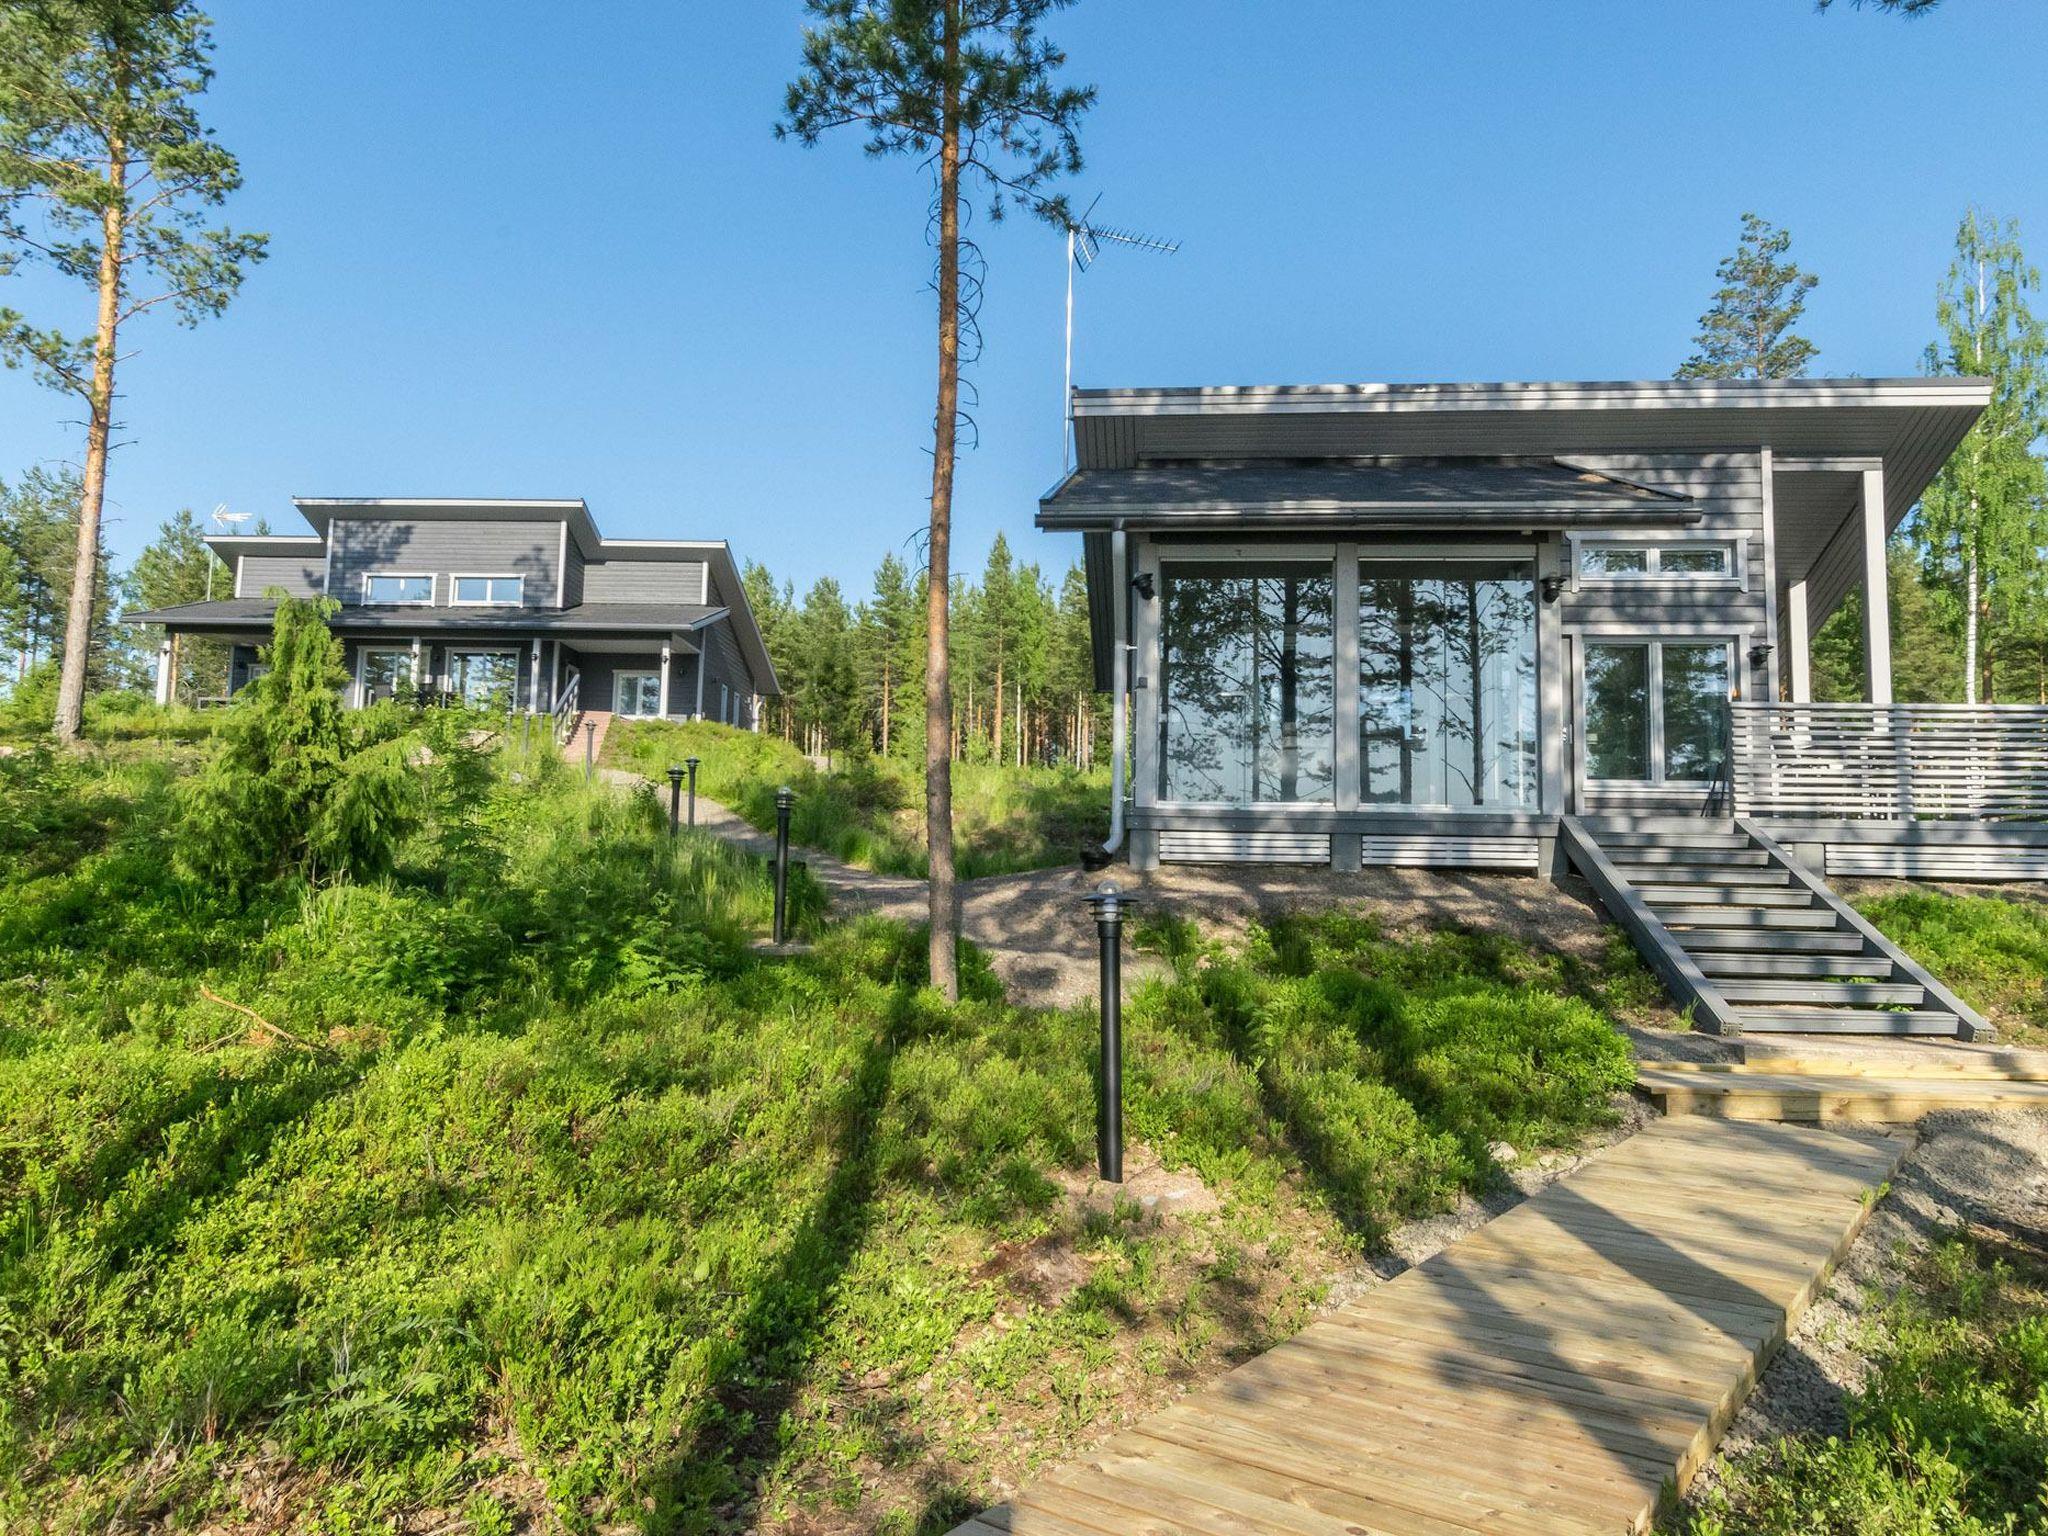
(177, 567)
(1985, 519)
(105, 177)
(886, 623)
(967, 87)
(1747, 332)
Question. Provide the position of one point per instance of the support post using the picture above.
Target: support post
(691, 764)
(662, 706)
(675, 800)
(699, 715)
(1877, 624)
(784, 799)
(589, 749)
(533, 679)
(1798, 643)
(163, 672)
(1108, 903)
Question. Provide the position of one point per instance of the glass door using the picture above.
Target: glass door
(636, 695)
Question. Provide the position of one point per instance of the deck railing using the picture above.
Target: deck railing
(1891, 762)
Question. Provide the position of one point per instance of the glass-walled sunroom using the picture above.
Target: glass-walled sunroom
(1445, 687)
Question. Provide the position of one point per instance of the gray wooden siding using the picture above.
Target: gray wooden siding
(644, 581)
(723, 664)
(299, 575)
(363, 545)
(572, 576)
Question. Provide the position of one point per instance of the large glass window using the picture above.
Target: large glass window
(387, 673)
(636, 695)
(483, 679)
(1656, 711)
(1246, 685)
(1447, 684)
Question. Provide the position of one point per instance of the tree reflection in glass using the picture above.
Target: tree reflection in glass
(1447, 684)
(1246, 684)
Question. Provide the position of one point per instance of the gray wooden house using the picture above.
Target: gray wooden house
(1519, 626)
(517, 605)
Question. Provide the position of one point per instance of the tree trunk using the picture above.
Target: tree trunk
(98, 430)
(996, 733)
(938, 681)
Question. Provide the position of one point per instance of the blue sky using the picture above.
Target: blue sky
(516, 256)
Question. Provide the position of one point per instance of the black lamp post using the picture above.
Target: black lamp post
(675, 799)
(1108, 903)
(691, 764)
(784, 799)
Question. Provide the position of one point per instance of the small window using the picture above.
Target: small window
(398, 589)
(1621, 562)
(505, 590)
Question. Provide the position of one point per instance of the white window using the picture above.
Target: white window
(1657, 711)
(1673, 560)
(395, 587)
(636, 695)
(479, 591)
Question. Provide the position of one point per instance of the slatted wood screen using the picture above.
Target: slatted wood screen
(1200, 845)
(1895, 762)
(1450, 852)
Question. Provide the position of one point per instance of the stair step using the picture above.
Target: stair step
(1700, 942)
(1845, 1021)
(1819, 918)
(1728, 896)
(1720, 840)
(1817, 1099)
(1688, 874)
(1794, 967)
(1841, 994)
(1656, 853)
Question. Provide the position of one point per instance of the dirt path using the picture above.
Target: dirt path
(1038, 935)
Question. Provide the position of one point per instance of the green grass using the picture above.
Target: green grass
(1949, 1434)
(1992, 950)
(870, 811)
(515, 1187)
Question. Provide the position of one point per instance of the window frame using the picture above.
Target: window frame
(414, 659)
(653, 674)
(457, 600)
(454, 649)
(431, 600)
(1732, 645)
(1653, 546)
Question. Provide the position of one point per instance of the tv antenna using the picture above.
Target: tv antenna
(1085, 240)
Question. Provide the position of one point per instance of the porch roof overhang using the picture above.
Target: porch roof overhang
(1377, 493)
(654, 621)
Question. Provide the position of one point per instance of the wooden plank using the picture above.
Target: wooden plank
(1551, 1373)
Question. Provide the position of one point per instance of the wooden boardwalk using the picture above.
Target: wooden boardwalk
(1556, 1371)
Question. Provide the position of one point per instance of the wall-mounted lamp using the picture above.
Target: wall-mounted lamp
(1142, 585)
(1760, 653)
(1552, 585)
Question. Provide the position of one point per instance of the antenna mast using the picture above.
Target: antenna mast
(1085, 240)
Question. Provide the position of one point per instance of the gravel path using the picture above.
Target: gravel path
(1037, 934)
(1986, 1169)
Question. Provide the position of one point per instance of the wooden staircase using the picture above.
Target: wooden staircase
(1750, 940)
(1835, 1089)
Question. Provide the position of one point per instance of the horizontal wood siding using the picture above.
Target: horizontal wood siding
(644, 581)
(298, 575)
(446, 548)
(1188, 846)
(1518, 853)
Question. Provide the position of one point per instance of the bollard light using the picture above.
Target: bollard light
(675, 799)
(1108, 903)
(784, 799)
(691, 764)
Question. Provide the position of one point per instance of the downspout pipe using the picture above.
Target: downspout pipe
(1120, 682)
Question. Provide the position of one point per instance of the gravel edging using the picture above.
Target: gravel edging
(1981, 1168)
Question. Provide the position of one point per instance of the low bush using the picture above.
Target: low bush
(1949, 1433)
(869, 811)
(1992, 949)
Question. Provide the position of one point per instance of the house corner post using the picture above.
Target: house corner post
(667, 657)
(1798, 643)
(1877, 626)
(164, 680)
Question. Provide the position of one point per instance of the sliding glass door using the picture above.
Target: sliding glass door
(1247, 680)
(1447, 684)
